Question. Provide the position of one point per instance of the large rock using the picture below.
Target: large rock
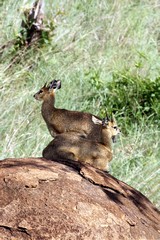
(46, 200)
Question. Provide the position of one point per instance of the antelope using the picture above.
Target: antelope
(61, 120)
(73, 146)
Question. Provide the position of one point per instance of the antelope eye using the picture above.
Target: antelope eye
(115, 127)
(40, 91)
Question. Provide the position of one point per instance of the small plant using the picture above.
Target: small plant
(34, 29)
(132, 98)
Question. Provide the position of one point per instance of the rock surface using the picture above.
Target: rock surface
(47, 200)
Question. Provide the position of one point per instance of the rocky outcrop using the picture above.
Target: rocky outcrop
(49, 200)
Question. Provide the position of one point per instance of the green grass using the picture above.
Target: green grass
(136, 160)
(96, 46)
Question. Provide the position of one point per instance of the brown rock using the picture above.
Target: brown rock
(47, 200)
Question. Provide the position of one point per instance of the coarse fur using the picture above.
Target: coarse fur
(61, 120)
(74, 146)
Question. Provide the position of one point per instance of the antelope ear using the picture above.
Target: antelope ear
(96, 120)
(58, 86)
(55, 84)
(113, 118)
(52, 84)
(105, 121)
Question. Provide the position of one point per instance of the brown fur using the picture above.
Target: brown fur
(75, 147)
(62, 120)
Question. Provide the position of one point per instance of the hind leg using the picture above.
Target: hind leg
(48, 152)
(53, 152)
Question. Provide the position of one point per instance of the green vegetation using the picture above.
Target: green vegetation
(133, 98)
(107, 55)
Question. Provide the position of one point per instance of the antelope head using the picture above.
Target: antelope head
(110, 124)
(47, 89)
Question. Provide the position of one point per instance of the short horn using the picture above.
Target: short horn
(113, 118)
(45, 84)
(107, 117)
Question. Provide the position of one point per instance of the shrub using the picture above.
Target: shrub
(131, 98)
